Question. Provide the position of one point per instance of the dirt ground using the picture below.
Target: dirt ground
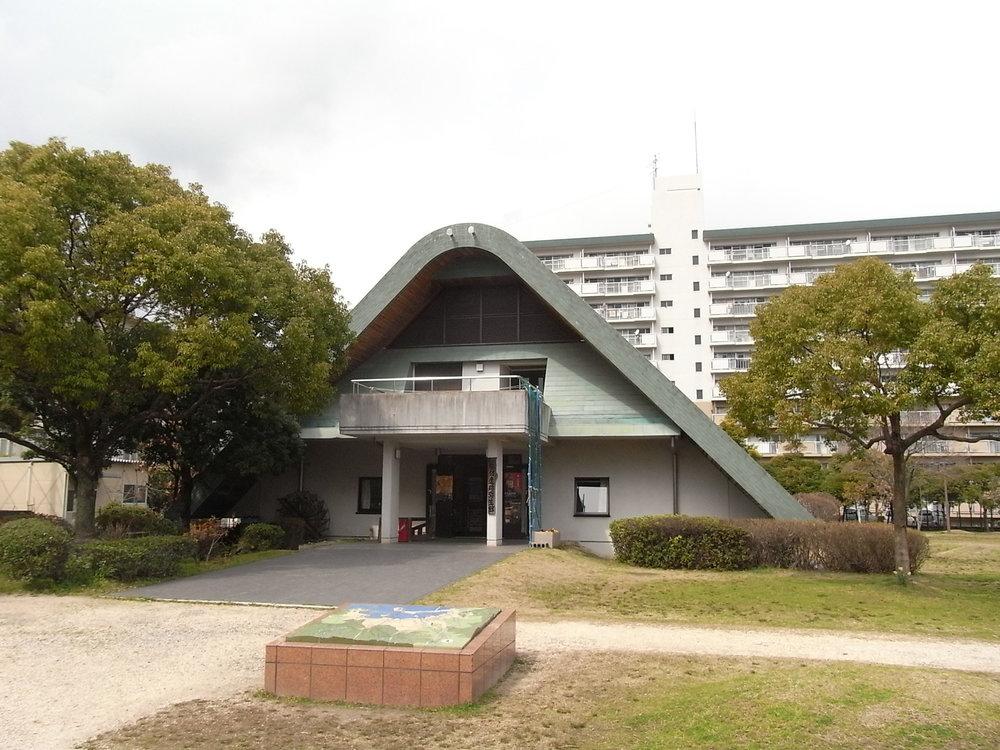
(74, 667)
(611, 701)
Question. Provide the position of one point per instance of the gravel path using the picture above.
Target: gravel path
(72, 667)
(968, 656)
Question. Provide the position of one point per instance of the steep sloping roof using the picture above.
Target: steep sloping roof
(702, 431)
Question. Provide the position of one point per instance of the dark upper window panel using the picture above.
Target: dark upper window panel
(484, 314)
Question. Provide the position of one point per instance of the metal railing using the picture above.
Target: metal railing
(625, 313)
(438, 383)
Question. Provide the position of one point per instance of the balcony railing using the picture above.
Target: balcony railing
(735, 336)
(640, 340)
(854, 248)
(745, 309)
(731, 364)
(616, 314)
(741, 281)
(611, 288)
(440, 383)
(597, 262)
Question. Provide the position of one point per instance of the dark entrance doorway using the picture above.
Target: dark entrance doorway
(457, 494)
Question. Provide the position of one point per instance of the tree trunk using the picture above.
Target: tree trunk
(185, 488)
(947, 507)
(899, 514)
(85, 482)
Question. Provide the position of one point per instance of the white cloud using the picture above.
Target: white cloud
(355, 128)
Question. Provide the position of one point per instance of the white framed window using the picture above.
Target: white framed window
(134, 494)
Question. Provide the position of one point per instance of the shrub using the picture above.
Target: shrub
(6, 516)
(692, 542)
(294, 530)
(823, 505)
(207, 534)
(116, 520)
(258, 537)
(681, 542)
(33, 549)
(817, 545)
(139, 557)
(313, 512)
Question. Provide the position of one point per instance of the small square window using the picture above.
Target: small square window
(696, 286)
(667, 329)
(134, 494)
(699, 394)
(592, 496)
(697, 312)
(666, 276)
(667, 357)
(694, 260)
(664, 251)
(370, 495)
(694, 234)
(697, 338)
(668, 303)
(697, 366)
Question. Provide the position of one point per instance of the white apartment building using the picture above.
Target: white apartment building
(685, 295)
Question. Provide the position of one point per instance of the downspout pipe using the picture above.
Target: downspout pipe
(674, 477)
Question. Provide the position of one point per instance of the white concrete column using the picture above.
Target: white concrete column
(494, 489)
(390, 492)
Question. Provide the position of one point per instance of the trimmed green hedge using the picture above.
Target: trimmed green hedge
(260, 537)
(681, 542)
(33, 549)
(117, 519)
(692, 542)
(139, 557)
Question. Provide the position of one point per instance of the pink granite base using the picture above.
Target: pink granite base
(390, 675)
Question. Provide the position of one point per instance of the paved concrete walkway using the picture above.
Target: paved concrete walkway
(332, 574)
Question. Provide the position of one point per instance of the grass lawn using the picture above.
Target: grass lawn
(956, 594)
(103, 586)
(610, 701)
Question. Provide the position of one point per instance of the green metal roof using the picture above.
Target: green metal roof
(868, 225)
(616, 240)
(735, 462)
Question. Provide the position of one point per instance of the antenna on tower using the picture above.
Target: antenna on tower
(696, 169)
(656, 158)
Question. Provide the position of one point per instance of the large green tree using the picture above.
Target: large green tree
(122, 292)
(848, 355)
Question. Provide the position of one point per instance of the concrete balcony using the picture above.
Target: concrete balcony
(613, 288)
(734, 336)
(640, 340)
(731, 364)
(734, 309)
(599, 262)
(373, 411)
(626, 314)
(755, 281)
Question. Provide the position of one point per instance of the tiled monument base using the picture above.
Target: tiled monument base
(392, 675)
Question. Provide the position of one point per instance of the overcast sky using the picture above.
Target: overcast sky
(355, 128)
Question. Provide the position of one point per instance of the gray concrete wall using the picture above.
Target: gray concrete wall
(639, 472)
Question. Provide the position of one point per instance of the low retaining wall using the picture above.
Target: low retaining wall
(393, 676)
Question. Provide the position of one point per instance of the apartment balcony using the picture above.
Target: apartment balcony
(984, 448)
(640, 340)
(613, 288)
(756, 281)
(599, 262)
(731, 364)
(853, 248)
(627, 314)
(478, 405)
(734, 336)
(733, 309)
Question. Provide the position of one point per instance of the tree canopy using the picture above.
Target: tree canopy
(123, 293)
(850, 354)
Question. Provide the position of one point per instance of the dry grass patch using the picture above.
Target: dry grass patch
(957, 594)
(619, 701)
